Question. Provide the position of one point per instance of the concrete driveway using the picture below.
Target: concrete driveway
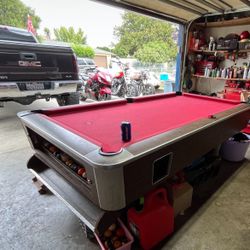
(32, 221)
(29, 220)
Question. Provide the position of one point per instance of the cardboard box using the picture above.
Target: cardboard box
(182, 197)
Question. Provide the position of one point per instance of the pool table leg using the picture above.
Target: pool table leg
(42, 189)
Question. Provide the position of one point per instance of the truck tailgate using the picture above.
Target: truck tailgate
(36, 62)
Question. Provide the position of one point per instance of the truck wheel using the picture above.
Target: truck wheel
(71, 99)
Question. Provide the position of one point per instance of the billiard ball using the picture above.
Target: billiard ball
(69, 162)
(74, 167)
(81, 171)
(112, 227)
(52, 149)
(115, 238)
(64, 157)
(120, 232)
(107, 233)
(84, 175)
(57, 155)
(117, 244)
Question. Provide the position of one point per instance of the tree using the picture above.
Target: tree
(70, 35)
(14, 13)
(140, 34)
(83, 50)
(155, 52)
(47, 33)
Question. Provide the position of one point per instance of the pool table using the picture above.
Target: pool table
(168, 132)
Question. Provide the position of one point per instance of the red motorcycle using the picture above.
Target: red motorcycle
(96, 85)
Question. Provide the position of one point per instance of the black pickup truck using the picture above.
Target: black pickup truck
(30, 71)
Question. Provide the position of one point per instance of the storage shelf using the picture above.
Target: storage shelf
(218, 51)
(220, 78)
(226, 23)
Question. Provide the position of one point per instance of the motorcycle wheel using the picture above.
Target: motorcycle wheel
(131, 90)
(86, 95)
(148, 89)
(139, 85)
(104, 97)
(83, 95)
(122, 92)
(115, 88)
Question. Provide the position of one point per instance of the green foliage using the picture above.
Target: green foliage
(47, 32)
(155, 52)
(70, 35)
(39, 38)
(14, 13)
(121, 49)
(83, 50)
(139, 33)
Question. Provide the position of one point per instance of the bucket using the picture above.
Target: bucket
(233, 150)
(168, 87)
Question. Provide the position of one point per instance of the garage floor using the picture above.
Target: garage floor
(31, 221)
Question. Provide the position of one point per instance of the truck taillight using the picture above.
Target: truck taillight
(75, 65)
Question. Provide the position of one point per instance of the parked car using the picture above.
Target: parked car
(86, 64)
(30, 71)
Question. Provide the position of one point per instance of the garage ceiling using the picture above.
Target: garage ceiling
(181, 11)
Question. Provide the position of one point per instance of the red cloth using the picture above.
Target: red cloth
(148, 118)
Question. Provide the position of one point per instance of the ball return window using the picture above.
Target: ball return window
(161, 167)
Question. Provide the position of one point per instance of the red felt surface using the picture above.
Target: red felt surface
(148, 118)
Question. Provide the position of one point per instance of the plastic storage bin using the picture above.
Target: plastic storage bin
(126, 246)
(168, 86)
(232, 93)
(234, 151)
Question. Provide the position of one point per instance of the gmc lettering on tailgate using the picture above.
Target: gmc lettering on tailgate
(29, 64)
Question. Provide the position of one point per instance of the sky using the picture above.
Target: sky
(97, 20)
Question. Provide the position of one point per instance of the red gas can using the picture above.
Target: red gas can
(155, 221)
